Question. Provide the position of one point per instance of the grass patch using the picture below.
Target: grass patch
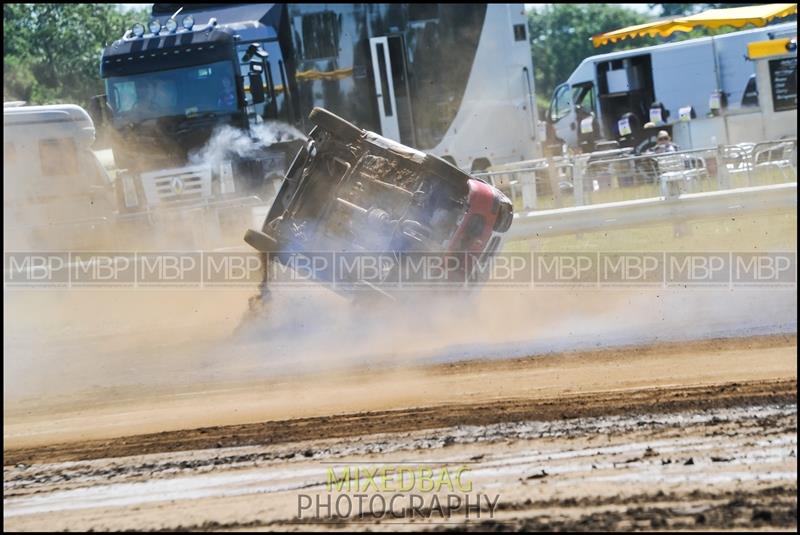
(767, 233)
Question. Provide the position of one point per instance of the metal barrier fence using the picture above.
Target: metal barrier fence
(621, 175)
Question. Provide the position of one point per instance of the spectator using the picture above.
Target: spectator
(664, 143)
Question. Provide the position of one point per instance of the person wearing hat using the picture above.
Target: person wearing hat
(664, 143)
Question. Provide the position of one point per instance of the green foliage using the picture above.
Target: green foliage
(52, 51)
(561, 38)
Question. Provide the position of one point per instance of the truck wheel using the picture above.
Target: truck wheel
(347, 132)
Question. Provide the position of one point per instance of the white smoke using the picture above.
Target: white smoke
(228, 141)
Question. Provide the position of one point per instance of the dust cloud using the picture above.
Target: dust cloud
(111, 343)
(306, 332)
(104, 345)
(228, 141)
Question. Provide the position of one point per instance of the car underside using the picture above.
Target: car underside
(352, 191)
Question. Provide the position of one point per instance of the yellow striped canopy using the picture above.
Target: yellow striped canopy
(713, 18)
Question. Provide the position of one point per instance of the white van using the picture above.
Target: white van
(54, 188)
(712, 75)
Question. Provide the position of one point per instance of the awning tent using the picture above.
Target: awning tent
(713, 18)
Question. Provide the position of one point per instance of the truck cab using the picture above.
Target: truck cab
(187, 102)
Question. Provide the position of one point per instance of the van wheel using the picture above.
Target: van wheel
(346, 131)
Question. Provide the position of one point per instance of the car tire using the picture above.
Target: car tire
(260, 241)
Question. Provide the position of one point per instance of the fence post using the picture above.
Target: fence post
(552, 177)
(723, 178)
(577, 180)
(529, 197)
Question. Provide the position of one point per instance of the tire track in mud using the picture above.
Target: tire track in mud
(773, 507)
(725, 464)
(628, 402)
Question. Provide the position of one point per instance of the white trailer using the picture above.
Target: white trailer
(713, 76)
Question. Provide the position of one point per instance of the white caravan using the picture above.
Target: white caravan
(52, 180)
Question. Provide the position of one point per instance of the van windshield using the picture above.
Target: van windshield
(182, 92)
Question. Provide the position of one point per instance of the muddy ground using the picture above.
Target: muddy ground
(698, 435)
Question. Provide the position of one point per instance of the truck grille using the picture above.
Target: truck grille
(184, 184)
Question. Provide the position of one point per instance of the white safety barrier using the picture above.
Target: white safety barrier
(713, 204)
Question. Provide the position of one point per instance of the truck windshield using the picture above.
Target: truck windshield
(183, 92)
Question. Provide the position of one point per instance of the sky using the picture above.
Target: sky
(128, 7)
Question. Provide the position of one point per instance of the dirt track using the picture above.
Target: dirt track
(695, 435)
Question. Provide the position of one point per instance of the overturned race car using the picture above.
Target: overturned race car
(349, 191)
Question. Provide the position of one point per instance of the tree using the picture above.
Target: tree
(52, 51)
(561, 38)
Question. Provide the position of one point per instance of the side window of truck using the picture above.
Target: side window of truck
(123, 96)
